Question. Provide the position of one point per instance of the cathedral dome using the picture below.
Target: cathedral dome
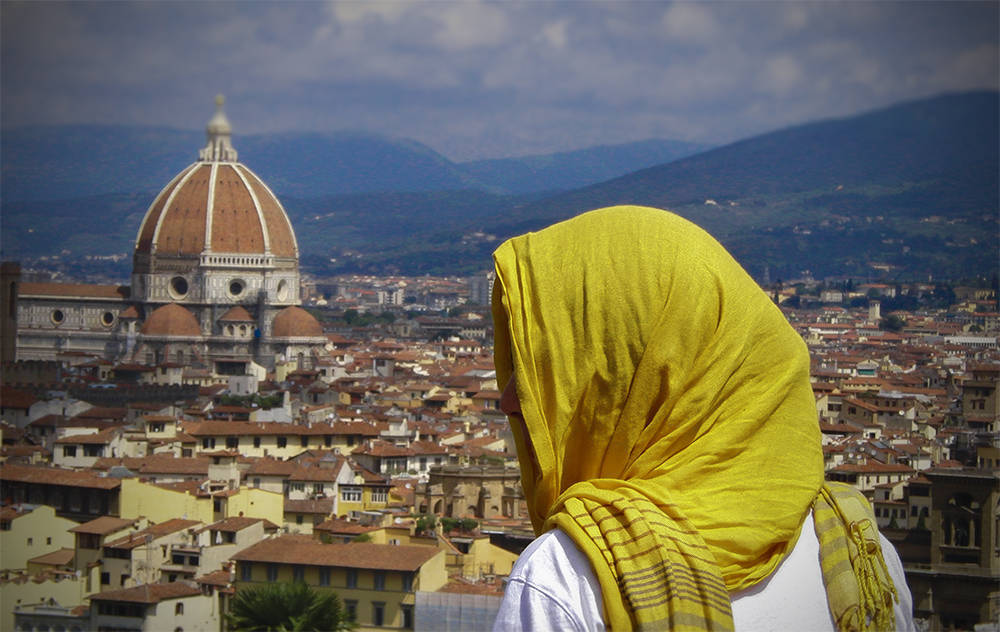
(295, 322)
(171, 320)
(217, 209)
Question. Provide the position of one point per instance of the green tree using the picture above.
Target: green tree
(426, 523)
(287, 607)
(892, 322)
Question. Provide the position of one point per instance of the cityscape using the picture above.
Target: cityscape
(260, 356)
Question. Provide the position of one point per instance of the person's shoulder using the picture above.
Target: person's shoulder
(551, 587)
(551, 550)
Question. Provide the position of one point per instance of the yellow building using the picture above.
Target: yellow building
(377, 582)
(205, 503)
(173, 606)
(66, 588)
(27, 532)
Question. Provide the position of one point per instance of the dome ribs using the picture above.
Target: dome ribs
(236, 225)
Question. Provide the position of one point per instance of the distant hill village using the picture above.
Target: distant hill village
(223, 422)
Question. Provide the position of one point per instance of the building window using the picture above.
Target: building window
(304, 441)
(179, 608)
(208, 443)
(378, 580)
(298, 573)
(246, 571)
(93, 450)
(317, 488)
(157, 427)
(380, 495)
(352, 578)
(256, 482)
(282, 442)
(324, 577)
(407, 582)
(232, 443)
(105, 579)
(297, 487)
(31, 541)
(407, 615)
(58, 317)
(327, 441)
(378, 613)
(272, 572)
(69, 451)
(351, 605)
(298, 519)
(350, 494)
(256, 442)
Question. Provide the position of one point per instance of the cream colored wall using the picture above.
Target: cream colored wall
(433, 575)
(490, 558)
(142, 499)
(158, 504)
(201, 614)
(256, 503)
(71, 591)
(45, 531)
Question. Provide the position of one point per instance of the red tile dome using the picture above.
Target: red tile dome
(295, 322)
(171, 320)
(216, 205)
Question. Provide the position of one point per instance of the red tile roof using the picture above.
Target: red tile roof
(148, 593)
(305, 550)
(103, 525)
(167, 527)
(74, 289)
(55, 476)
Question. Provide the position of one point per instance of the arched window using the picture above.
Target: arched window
(179, 608)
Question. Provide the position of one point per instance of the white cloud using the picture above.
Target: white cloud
(556, 34)
(690, 22)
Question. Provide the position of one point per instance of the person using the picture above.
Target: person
(668, 443)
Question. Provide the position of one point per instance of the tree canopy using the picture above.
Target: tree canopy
(287, 607)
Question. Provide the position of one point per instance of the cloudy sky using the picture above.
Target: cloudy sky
(488, 79)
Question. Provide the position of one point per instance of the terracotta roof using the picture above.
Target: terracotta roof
(13, 398)
(293, 321)
(294, 549)
(237, 314)
(171, 320)
(103, 525)
(218, 578)
(179, 215)
(83, 290)
(167, 527)
(101, 437)
(233, 524)
(62, 557)
(55, 476)
(165, 463)
(344, 527)
(148, 593)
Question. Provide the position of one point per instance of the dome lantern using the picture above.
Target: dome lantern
(218, 133)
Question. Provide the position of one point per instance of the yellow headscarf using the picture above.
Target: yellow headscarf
(669, 406)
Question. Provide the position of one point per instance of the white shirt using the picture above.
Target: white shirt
(553, 587)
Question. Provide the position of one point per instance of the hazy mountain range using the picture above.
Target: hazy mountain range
(912, 189)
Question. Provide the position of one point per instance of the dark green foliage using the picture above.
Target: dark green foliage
(356, 319)
(426, 523)
(287, 607)
(892, 322)
(459, 524)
